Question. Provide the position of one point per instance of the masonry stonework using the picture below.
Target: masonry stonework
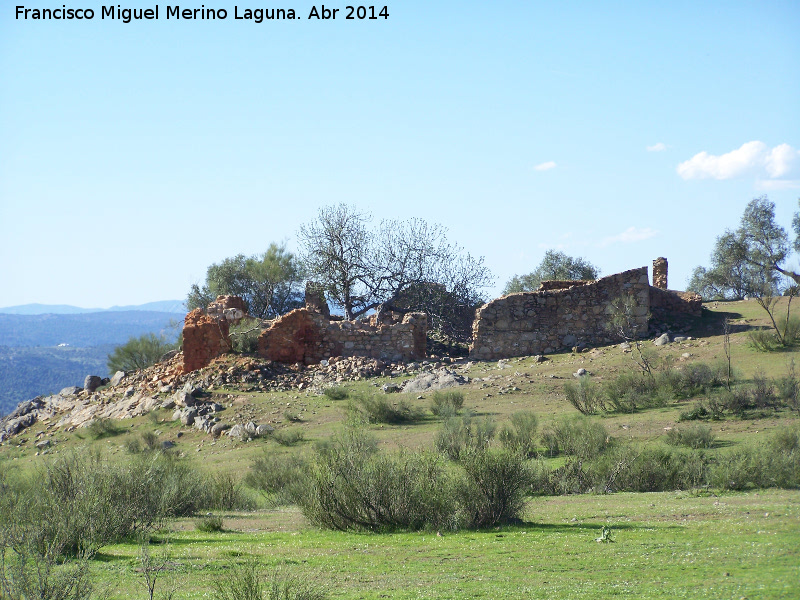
(548, 320)
(205, 337)
(307, 336)
(660, 267)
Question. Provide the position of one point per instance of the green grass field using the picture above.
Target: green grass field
(702, 544)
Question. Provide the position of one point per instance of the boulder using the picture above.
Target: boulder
(91, 383)
(117, 378)
(69, 391)
(264, 429)
(218, 428)
(238, 432)
(662, 340)
(183, 399)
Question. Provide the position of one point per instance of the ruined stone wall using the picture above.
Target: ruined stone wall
(307, 336)
(666, 302)
(562, 284)
(545, 321)
(660, 267)
(204, 338)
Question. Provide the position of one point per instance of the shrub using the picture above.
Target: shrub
(103, 428)
(789, 388)
(694, 436)
(774, 462)
(655, 468)
(576, 436)
(520, 434)
(628, 392)
(139, 353)
(225, 492)
(280, 477)
(378, 409)
(762, 392)
(763, 340)
(584, 396)
(209, 524)
(288, 437)
(712, 408)
(447, 403)
(244, 336)
(353, 487)
(335, 393)
(458, 435)
(494, 488)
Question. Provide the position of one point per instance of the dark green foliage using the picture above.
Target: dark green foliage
(577, 436)
(789, 388)
(447, 403)
(139, 353)
(270, 284)
(584, 395)
(694, 436)
(554, 265)
(375, 408)
(494, 488)
(288, 437)
(459, 435)
(335, 393)
(244, 336)
(520, 435)
(353, 487)
(771, 463)
(280, 477)
(224, 491)
(209, 524)
(103, 428)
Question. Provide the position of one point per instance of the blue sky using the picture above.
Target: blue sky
(134, 155)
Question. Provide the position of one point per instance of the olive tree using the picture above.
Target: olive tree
(270, 283)
(554, 265)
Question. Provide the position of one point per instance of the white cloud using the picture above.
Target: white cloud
(780, 159)
(751, 158)
(659, 147)
(726, 166)
(545, 166)
(631, 234)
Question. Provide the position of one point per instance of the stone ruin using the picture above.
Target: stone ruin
(566, 314)
(305, 335)
(560, 314)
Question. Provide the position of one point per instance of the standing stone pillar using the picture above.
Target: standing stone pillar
(660, 273)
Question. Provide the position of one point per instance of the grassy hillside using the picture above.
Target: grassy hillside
(706, 543)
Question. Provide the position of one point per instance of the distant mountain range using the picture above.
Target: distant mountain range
(167, 306)
(43, 350)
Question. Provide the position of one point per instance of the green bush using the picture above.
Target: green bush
(789, 388)
(103, 428)
(520, 434)
(447, 403)
(335, 393)
(280, 477)
(209, 524)
(584, 395)
(139, 353)
(377, 409)
(695, 436)
(764, 340)
(226, 492)
(288, 437)
(353, 487)
(494, 488)
(244, 336)
(774, 462)
(458, 435)
(575, 436)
